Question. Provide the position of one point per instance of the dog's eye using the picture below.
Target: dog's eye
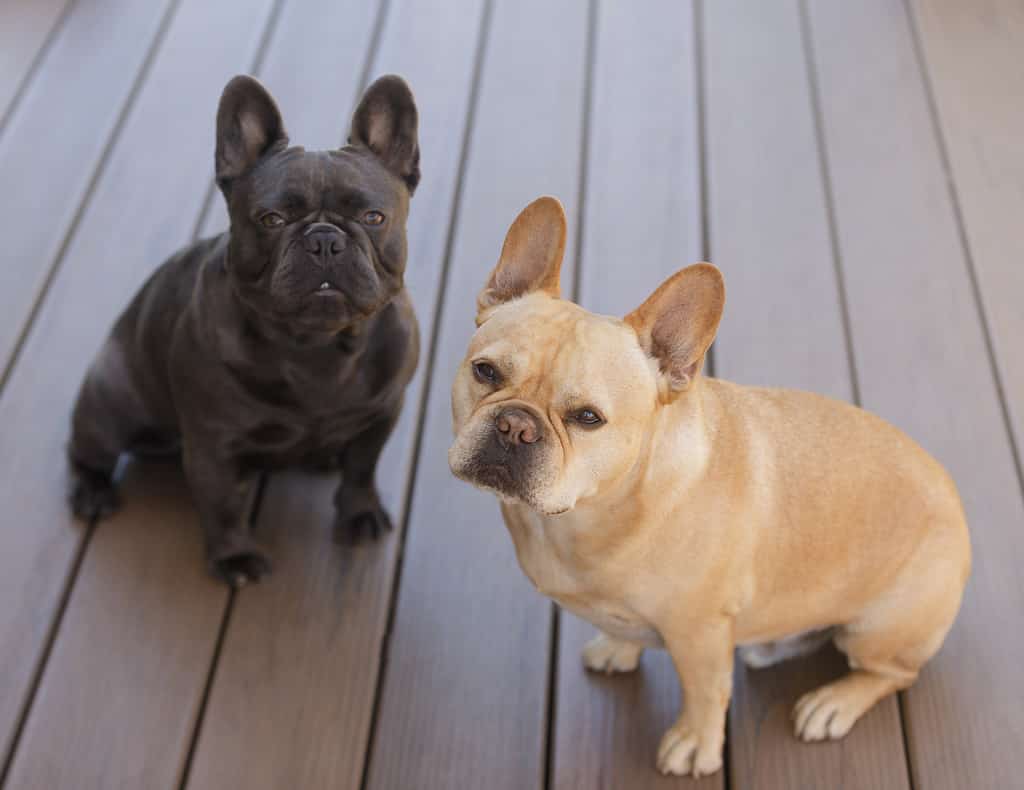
(588, 418)
(485, 372)
(272, 220)
(373, 218)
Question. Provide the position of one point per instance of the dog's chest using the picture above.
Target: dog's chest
(293, 416)
(593, 594)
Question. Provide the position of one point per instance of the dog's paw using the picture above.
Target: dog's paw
(359, 516)
(606, 654)
(685, 752)
(239, 568)
(93, 496)
(831, 711)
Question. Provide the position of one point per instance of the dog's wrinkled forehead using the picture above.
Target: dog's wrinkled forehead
(346, 181)
(559, 351)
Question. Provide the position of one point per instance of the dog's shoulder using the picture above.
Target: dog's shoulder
(392, 349)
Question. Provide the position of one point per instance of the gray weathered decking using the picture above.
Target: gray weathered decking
(856, 170)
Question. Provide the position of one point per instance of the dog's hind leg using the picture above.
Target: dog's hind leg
(886, 647)
(107, 414)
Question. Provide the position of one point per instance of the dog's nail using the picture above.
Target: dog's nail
(239, 580)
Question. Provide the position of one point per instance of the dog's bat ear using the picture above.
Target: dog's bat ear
(531, 257)
(386, 122)
(248, 126)
(678, 322)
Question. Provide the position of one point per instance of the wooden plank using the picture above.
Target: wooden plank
(314, 673)
(923, 362)
(53, 145)
(643, 162)
(973, 53)
(464, 695)
(769, 232)
(25, 26)
(118, 698)
(35, 556)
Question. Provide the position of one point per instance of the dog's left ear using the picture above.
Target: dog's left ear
(678, 322)
(386, 122)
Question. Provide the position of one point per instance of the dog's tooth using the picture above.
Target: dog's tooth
(324, 285)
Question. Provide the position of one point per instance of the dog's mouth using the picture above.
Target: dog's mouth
(327, 288)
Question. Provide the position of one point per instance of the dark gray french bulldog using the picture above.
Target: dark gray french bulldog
(287, 340)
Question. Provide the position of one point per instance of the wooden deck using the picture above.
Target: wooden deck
(857, 171)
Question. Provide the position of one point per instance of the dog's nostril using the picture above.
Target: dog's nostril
(503, 425)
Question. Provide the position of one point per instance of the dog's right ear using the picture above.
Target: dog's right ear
(248, 126)
(531, 257)
(678, 322)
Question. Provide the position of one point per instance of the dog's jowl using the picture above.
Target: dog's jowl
(675, 510)
(287, 340)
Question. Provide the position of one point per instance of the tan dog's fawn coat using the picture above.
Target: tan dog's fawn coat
(674, 510)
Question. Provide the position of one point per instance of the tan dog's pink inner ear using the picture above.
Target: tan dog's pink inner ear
(531, 257)
(678, 322)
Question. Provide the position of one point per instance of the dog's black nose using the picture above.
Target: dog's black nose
(516, 426)
(323, 240)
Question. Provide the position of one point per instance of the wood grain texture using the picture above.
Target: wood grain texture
(52, 145)
(122, 706)
(464, 695)
(973, 54)
(124, 683)
(923, 362)
(25, 26)
(641, 223)
(36, 551)
(769, 232)
(302, 651)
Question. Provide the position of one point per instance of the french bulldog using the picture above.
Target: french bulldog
(287, 340)
(674, 510)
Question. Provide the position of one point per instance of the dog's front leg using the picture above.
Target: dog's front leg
(222, 492)
(358, 511)
(702, 653)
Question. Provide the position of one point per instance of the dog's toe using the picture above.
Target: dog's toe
(362, 525)
(828, 712)
(606, 654)
(93, 498)
(684, 752)
(239, 569)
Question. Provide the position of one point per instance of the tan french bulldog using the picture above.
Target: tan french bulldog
(679, 511)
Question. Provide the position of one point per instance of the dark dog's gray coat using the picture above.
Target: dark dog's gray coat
(289, 339)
